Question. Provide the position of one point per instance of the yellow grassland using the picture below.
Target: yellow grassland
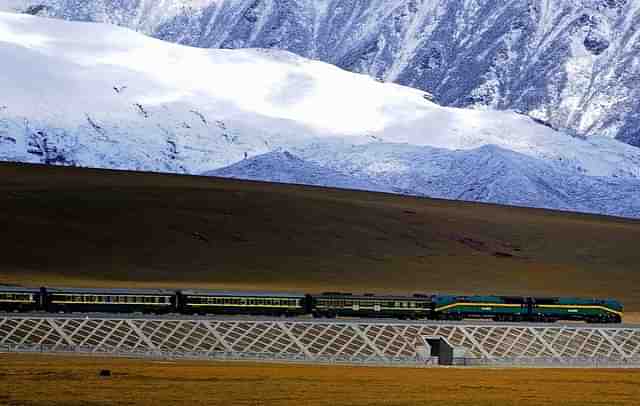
(55, 380)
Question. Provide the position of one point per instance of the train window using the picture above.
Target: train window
(17, 297)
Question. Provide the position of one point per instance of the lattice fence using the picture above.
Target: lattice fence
(318, 340)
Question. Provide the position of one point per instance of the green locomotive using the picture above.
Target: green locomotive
(513, 308)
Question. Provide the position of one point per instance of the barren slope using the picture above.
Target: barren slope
(87, 227)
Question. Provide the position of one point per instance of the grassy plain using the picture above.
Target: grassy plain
(52, 380)
(83, 227)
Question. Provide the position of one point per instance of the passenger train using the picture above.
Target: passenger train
(329, 304)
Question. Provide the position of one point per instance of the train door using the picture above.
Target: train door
(530, 302)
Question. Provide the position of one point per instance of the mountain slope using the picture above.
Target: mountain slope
(101, 96)
(283, 167)
(574, 64)
(486, 174)
(75, 226)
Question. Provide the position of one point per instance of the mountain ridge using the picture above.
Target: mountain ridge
(487, 174)
(573, 64)
(96, 95)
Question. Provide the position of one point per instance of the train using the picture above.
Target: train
(322, 305)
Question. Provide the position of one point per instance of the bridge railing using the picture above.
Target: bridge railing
(385, 342)
(576, 362)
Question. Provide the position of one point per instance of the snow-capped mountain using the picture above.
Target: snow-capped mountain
(102, 96)
(572, 63)
(487, 174)
(284, 167)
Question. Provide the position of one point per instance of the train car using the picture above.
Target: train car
(71, 300)
(498, 308)
(20, 299)
(588, 310)
(230, 302)
(333, 304)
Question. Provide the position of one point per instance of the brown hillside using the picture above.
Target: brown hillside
(69, 226)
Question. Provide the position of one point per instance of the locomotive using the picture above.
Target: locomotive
(329, 304)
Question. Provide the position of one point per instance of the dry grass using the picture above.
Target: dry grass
(68, 226)
(51, 380)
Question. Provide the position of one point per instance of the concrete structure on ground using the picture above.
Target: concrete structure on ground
(321, 340)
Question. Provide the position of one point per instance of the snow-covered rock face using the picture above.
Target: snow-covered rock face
(487, 174)
(572, 63)
(102, 96)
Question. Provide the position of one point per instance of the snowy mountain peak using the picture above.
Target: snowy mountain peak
(574, 64)
(97, 95)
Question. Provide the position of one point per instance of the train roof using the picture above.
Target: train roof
(115, 291)
(13, 288)
(240, 293)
